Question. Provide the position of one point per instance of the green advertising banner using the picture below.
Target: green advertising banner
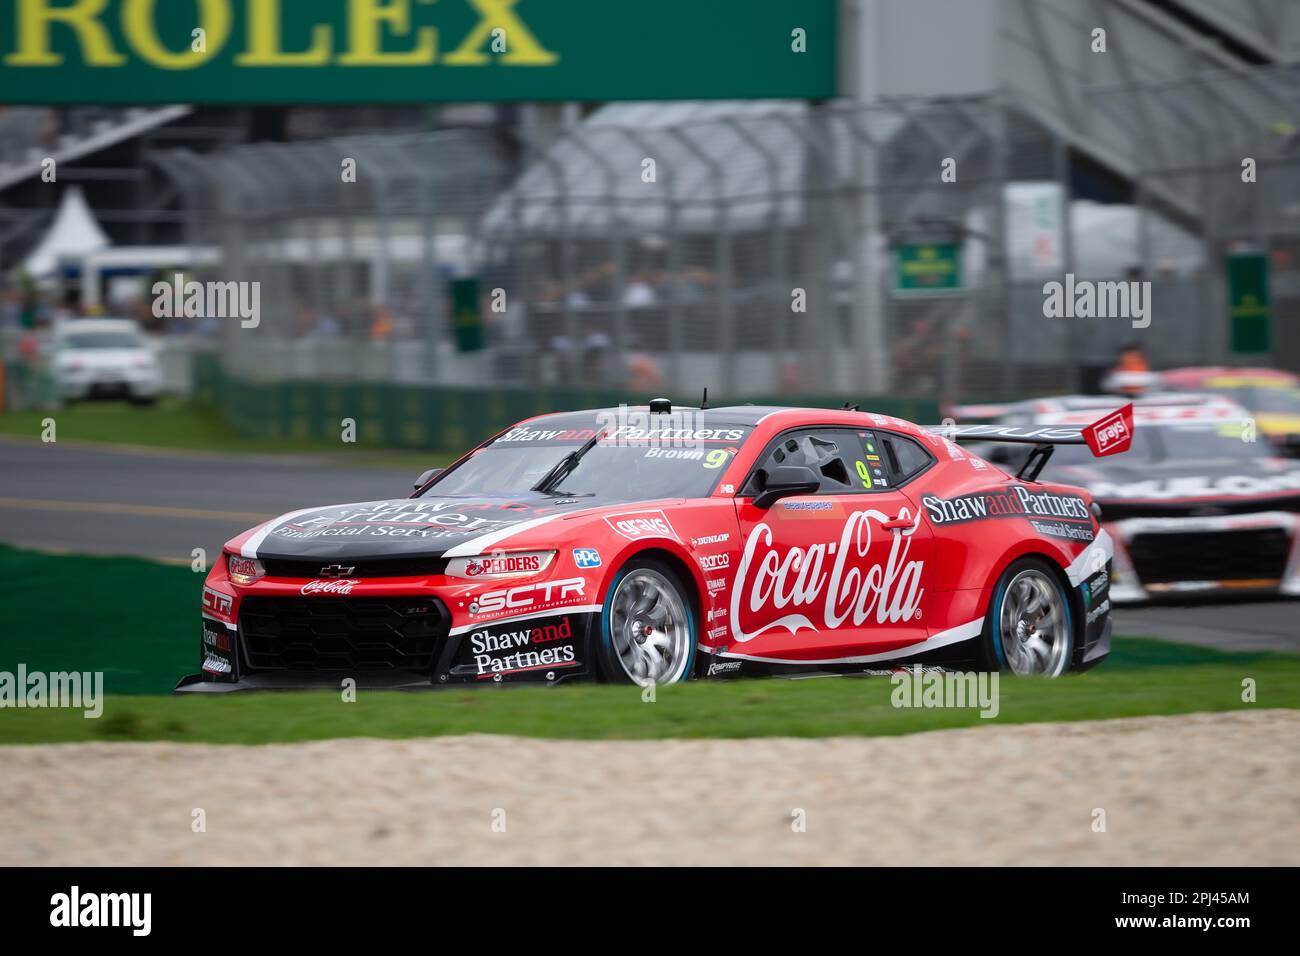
(466, 320)
(927, 267)
(392, 51)
(1248, 307)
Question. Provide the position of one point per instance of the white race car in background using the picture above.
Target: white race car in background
(105, 358)
(1200, 504)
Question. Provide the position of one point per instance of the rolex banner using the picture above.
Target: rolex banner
(377, 51)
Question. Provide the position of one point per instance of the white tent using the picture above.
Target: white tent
(74, 232)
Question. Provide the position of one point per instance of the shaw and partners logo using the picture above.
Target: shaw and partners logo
(77, 909)
(37, 689)
(682, 428)
(839, 582)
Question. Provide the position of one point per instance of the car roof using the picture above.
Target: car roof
(1154, 409)
(750, 415)
(1205, 376)
(69, 326)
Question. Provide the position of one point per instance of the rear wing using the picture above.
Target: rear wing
(1109, 435)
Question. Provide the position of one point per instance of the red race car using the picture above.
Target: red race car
(655, 545)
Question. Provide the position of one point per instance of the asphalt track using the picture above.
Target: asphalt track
(164, 504)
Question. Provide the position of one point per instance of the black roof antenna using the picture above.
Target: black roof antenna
(851, 407)
(704, 402)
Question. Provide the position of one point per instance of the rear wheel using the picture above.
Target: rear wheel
(1028, 630)
(647, 628)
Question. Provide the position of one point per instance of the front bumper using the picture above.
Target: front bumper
(389, 635)
(124, 383)
(1205, 555)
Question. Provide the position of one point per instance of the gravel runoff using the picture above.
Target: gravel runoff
(1200, 789)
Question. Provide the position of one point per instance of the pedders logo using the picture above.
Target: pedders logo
(510, 564)
(832, 582)
(1112, 434)
(636, 525)
(329, 587)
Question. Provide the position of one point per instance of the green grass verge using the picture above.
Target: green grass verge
(1131, 684)
(138, 623)
(175, 424)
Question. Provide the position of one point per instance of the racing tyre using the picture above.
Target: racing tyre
(647, 626)
(1028, 630)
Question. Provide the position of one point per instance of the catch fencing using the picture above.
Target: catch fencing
(755, 248)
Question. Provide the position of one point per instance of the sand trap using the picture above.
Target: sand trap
(1212, 789)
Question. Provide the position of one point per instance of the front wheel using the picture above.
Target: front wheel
(647, 628)
(1028, 630)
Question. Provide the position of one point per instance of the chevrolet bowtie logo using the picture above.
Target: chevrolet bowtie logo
(335, 571)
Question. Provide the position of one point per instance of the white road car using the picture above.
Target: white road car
(105, 358)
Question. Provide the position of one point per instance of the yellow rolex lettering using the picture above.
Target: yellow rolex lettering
(522, 48)
(35, 17)
(264, 40)
(141, 32)
(366, 22)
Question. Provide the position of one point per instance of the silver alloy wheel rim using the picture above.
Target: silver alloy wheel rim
(1033, 625)
(650, 628)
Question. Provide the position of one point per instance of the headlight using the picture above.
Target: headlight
(506, 564)
(244, 570)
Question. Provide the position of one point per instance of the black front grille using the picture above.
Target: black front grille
(1121, 510)
(342, 568)
(342, 633)
(1246, 555)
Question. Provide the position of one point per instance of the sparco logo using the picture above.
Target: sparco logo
(715, 562)
(329, 587)
(853, 590)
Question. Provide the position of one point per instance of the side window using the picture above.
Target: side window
(846, 461)
(906, 457)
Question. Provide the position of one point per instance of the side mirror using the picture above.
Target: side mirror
(784, 481)
(427, 477)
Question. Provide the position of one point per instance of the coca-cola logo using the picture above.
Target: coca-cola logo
(329, 587)
(826, 585)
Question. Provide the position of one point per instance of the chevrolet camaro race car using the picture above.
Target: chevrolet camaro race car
(1201, 505)
(1271, 396)
(655, 545)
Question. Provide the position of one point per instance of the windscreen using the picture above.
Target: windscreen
(102, 340)
(1182, 441)
(641, 456)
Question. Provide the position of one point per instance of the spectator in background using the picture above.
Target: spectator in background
(596, 347)
(639, 293)
(1132, 373)
(381, 325)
